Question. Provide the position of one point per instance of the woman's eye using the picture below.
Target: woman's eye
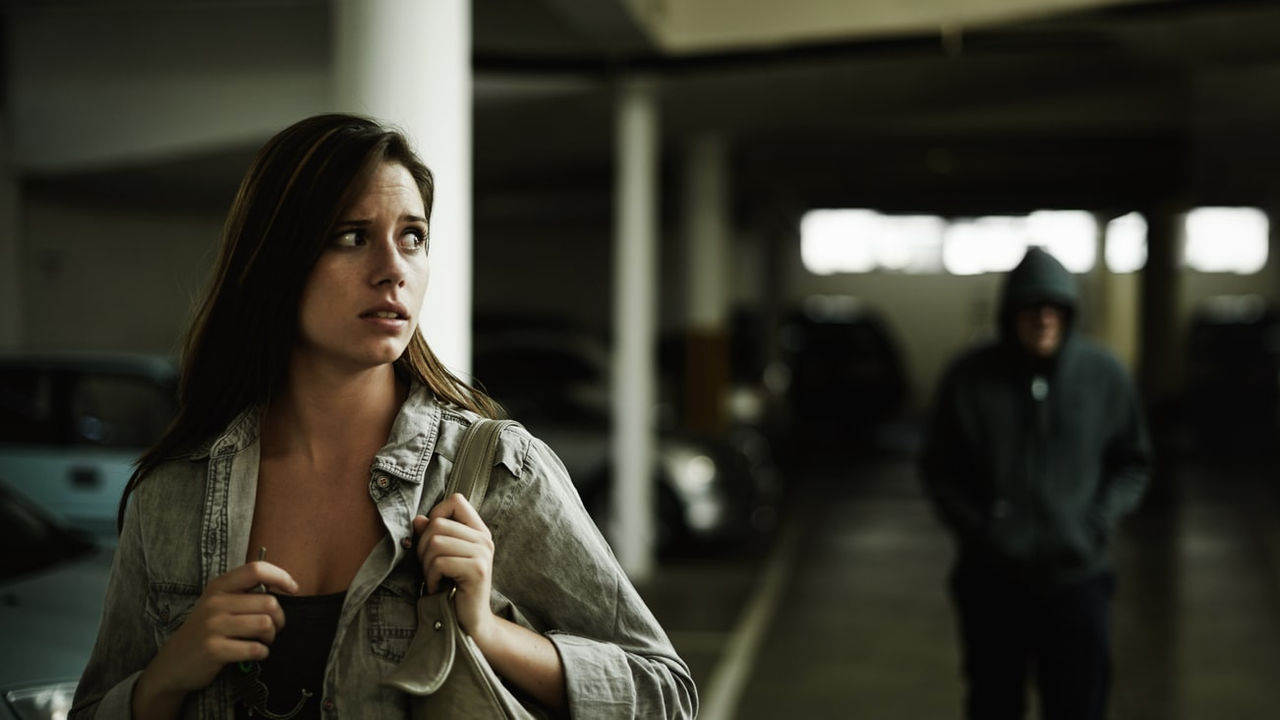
(350, 238)
(415, 240)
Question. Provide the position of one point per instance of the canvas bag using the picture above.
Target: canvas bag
(444, 671)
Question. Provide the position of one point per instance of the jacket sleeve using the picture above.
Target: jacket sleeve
(947, 464)
(556, 567)
(125, 641)
(1126, 459)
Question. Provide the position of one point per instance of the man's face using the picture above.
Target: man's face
(1039, 328)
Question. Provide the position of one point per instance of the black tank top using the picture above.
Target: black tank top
(289, 683)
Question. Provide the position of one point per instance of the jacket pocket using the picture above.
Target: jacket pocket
(168, 606)
(393, 617)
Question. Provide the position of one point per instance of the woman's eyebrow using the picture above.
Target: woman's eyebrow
(364, 222)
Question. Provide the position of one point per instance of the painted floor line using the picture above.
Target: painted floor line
(724, 688)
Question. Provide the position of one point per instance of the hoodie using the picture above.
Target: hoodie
(1031, 463)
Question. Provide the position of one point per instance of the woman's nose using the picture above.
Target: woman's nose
(388, 264)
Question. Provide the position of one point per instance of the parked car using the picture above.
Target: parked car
(555, 381)
(1232, 401)
(72, 424)
(845, 372)
(52, 583)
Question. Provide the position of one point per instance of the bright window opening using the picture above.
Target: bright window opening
(1071, 236)
(1227, 240)
(996, 244)
(982, 245)
(1127, 243)
(1218, 239)
(859, 241)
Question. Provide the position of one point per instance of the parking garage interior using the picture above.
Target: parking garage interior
(125, 127)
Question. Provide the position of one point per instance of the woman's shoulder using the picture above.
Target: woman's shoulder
(515, 443)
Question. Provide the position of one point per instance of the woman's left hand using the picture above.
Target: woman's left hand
(454, 543)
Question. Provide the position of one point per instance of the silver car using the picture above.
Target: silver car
(52, 583)
(72, 424)
(556, 382)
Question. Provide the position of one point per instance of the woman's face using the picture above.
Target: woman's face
(362, 302)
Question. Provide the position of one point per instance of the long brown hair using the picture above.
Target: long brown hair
(236, 351)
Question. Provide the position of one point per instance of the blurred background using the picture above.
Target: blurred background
(716, 253)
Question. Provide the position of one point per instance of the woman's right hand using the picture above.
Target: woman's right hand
(228, 624)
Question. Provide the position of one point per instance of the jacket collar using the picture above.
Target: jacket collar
(409, 446)
(413, 437)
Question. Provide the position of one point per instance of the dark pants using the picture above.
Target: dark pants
(1010, 633)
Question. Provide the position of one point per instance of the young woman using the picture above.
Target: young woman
(309, 459)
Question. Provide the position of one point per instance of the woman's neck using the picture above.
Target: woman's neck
(323, 415)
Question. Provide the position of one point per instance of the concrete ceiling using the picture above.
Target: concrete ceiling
(1110, 108)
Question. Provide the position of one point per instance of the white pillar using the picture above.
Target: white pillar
(706, 232)
(706, 241)
(635, 299)
(10, 247)
(408, 62)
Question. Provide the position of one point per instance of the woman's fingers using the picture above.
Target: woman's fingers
(454, 543)
(229, 650)
(257, 626)
(248, 604)
(252, 575)
(229, 623)
(456, 507)
(453, 528)
(463, 561)
(435, 546)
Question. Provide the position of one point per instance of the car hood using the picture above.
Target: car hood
(50, 620)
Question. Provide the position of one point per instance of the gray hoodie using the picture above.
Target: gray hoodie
(1030, 462)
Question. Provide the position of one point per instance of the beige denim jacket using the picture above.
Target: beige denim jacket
(189, 521)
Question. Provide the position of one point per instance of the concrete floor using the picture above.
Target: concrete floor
(844, 614)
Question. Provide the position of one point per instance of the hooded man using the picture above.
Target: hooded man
(1035, 451)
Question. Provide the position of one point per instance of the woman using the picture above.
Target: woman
(308, 459)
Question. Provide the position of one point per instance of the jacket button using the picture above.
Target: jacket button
(438, 625)
(383, 482)
(164, 613)
(406, 543)
(327, 705)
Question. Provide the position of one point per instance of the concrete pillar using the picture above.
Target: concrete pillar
(1099, 307)
(10, 246)
(1160, 347)
(408, 62)
(1273, 250)
(634, 323)
(1117, 304)
(707, 227)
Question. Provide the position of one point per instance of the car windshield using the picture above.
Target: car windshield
(65, 407)
(30, 540)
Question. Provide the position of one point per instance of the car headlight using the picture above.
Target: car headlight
(693, 473)
(46, 702)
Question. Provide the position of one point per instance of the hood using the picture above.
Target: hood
(1038, 278)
